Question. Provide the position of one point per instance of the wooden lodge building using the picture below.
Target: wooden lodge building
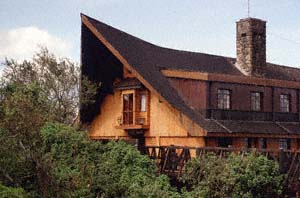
(160, 96)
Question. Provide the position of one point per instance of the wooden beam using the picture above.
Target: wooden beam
(136, 126)
(230, 78)
(259, 135)
(186, 74)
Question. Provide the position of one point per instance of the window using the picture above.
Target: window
(248, 143)
(251, 142)
(256, 101)
(224, 142)
(143, 102)
(223, 99)
(128, 109)
(263, 143)
(285, 103)
(285, 144)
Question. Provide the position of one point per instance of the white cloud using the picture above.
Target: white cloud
(22, 43)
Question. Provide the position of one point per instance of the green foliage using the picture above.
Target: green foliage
(209, 176)
(130, 174)
(45, 89)
(24, 110)
(85, 168)
(73, 158)
(59, 81)
(251, 176)
(10, 192)
(256, 176)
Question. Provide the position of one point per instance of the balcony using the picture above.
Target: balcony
(134, 121)
(220, 114)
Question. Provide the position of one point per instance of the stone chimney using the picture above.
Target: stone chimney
(251, 46)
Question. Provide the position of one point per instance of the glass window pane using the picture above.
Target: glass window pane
(256, 101)
(143, 102)
(223, 99)
(285, 103)
(128, 109)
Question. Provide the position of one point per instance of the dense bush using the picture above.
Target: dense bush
(88, 169)
(251, 176)
(9, 192)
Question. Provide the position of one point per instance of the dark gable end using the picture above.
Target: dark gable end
(99, 66)
(148, 60)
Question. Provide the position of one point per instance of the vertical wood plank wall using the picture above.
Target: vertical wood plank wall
(167, 125)
(104, 125)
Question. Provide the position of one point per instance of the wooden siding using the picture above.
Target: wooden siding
(104, 125)
(167, 121)
(240, 96)
(167, 125)
(193, 92)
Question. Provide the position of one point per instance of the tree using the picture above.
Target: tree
(58, 78)
(32, 93)
(251, 176)
(24, 111)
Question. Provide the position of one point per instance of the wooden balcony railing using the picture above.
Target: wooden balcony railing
(220, 114)
(138, 120)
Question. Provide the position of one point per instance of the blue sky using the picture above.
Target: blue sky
(195, 25)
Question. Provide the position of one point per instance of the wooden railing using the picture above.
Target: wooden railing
(171, 159)
(220, 114)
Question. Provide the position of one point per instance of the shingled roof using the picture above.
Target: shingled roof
(149, 59)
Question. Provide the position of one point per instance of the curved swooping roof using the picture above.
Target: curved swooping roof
(148, 60)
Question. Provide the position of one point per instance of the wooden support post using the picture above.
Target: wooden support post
(298, 103)
(208, 100)
(273, 104)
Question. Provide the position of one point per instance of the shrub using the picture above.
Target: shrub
(250, 176)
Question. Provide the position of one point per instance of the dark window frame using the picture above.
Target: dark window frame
(263, 143)
(225, 142)
(285, 103)
(224, 99)
(251, 142)
(254, 104)
(284, 143)
(128, 108)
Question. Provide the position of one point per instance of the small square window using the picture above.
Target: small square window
(224, 142)
(284, 144)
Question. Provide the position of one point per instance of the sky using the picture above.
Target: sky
(195, 25)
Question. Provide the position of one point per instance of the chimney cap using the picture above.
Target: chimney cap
(251, 19)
